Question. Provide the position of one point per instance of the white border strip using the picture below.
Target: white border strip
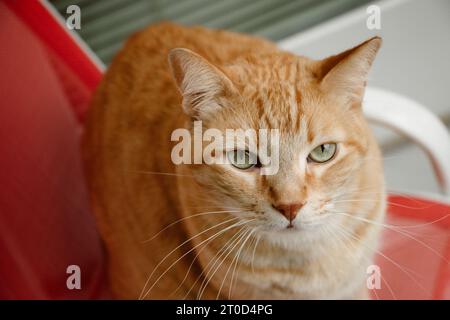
(83, 45)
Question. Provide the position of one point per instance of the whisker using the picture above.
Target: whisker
(254, 250)
(399, 231)
(192, 249)
(160, 173)
(231, 240)
(230, 251)
(215, 206)
(188, 217)
(402, 226)
(207, 277)
(389, 191)
(188, 240)
(368, 260)
(190, 267)
(418, 225)
(388, 202)
(349, 233)
(236, 264)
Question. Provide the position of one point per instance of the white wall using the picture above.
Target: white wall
(414, 61)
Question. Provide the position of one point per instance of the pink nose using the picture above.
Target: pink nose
(289, 210)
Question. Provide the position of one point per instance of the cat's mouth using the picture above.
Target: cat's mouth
(297, 227)
(303, 227)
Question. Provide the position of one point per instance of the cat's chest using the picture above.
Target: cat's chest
(297, 279)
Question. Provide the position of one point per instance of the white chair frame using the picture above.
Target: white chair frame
(415, 122)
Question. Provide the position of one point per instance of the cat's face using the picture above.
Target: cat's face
(321, 144)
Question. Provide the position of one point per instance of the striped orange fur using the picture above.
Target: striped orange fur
(229, 241)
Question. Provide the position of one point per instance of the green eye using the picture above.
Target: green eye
(242, 159)
(323, 153)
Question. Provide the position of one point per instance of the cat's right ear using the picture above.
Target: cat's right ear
(345, 74)
(200, 82)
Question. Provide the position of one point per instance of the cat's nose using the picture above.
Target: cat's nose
(290, 210)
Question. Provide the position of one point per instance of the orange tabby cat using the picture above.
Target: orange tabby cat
(225, 230)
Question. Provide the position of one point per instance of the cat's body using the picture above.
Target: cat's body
(137, 191)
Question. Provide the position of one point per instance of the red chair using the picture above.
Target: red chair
(414, 257)
(45, 224)
(47, 77)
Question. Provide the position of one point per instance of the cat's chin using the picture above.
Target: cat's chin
(293, 237)
(300, 227)
(293, 230)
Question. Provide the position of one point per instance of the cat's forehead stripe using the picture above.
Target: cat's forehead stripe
(279, 111)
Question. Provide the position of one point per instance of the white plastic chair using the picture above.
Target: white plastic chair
(415, 122)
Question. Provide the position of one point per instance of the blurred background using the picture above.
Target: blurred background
(413, 61)
(107, 23)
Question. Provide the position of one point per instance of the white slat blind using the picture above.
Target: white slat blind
(105, 24)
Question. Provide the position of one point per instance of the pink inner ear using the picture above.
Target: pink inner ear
(199, 81)
(345, 74)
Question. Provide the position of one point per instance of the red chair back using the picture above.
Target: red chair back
(45, 223)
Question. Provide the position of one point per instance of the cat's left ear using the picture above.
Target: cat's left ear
(345, 75)
(200, 82)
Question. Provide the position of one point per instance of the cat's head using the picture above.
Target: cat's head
(323, 140)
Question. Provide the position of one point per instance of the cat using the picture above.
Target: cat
(199, 231)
